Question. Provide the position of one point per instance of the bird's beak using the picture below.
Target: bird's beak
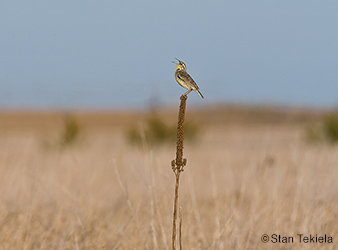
(176, 62)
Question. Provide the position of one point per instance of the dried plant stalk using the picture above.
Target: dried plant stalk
(178, 165)
(180, 229)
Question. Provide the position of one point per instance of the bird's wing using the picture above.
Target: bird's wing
(186, 77)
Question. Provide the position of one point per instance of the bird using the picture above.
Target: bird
(184, 79)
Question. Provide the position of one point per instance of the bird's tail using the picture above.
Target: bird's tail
(199, 93)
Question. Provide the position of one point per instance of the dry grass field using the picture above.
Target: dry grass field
(250, 173)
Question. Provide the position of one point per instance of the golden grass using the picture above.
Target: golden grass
(241, 181)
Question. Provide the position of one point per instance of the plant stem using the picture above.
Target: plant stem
(178, 164)
(175, 210)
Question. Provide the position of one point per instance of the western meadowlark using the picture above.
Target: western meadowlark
(184, 79)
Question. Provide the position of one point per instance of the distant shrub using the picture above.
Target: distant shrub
(330, 128)
(70, 132)
(327, 131)
(157, 132)
(65, 137)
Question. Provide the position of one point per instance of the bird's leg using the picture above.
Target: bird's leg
(186, 93)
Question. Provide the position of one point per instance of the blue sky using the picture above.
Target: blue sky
(117, 54)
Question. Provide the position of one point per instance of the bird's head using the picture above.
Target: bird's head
(180, 65)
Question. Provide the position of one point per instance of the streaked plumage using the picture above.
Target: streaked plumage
(184, 79)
